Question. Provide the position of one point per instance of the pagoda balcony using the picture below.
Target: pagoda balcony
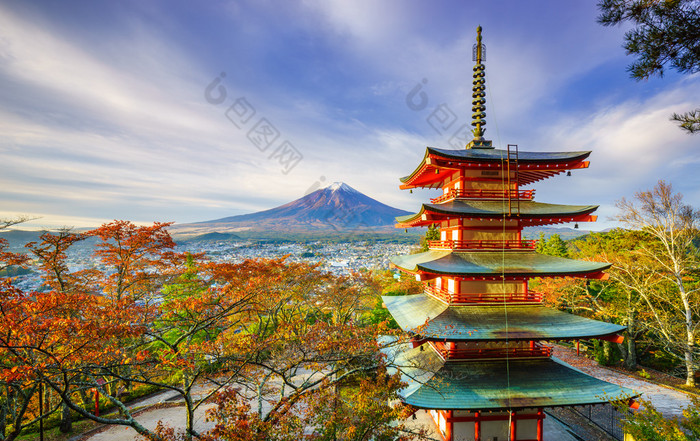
(482, 244)
(525, 195)
(489, 298)
(537, 350)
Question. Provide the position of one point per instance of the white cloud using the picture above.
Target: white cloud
(118, 126)
(633, 146)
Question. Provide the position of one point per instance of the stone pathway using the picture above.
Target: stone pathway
(157, 407)
(170, 416)
(668, 401)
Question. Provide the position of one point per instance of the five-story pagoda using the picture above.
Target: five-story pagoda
(477, 362)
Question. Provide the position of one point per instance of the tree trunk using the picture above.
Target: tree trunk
(607, 351)
(189, 409)
(690, 367)
(690, 335)
(630, 345)
(66, 419)
(86, 398)
(3, 419)
(631, 353)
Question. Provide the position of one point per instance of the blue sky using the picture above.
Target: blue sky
(104, 112)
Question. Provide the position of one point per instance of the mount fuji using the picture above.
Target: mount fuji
(337, 207)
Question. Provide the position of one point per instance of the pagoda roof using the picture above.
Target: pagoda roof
(435, 320)
(437, 164)
(497, 384)
(496, 263)
(536, 213)
(498, 155)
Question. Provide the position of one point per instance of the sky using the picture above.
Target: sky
(179, 111)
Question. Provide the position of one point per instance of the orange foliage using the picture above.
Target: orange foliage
(150, 315)
(8, 258)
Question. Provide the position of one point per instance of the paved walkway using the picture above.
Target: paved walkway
(149, 418)
(668, 401)
(170, 416)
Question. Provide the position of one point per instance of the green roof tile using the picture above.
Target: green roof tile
(495, 263)
(499, 384)
(433, 319)
(496, 209)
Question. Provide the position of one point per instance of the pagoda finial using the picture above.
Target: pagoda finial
(478, 45)
(478, 95)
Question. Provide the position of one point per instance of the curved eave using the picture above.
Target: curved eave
(497, 155)
(496, 264)
(530, 213)
(432, 319)
(438, 164)
(499, 384)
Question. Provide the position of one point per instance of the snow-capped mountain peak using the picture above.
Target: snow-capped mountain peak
(341, 186)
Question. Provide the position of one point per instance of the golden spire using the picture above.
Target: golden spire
(478, 95)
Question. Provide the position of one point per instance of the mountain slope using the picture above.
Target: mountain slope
(337, 207)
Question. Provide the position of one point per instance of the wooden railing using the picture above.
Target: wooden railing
(485, 194)
(454, 298)
(537, 350)
(482, 244)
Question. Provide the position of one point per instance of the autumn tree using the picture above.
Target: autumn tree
(631, 278)
(301, 349)
(360, 409)
(50, 256)
(276, 335)
(68, 338)
(138, 258)
(673, 225)
(605, 300)
(8, 258)
(16, 393)
(648, 424)
(49, 338)
(294, 346)
(665, 33)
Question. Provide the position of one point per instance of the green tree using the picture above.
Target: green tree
(433, 233)
(631, 277)
(648, 424)
(665, 32)
(541, 245)
(554, 246)
(672, 258)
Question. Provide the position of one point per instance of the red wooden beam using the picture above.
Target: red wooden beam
(615, 338)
